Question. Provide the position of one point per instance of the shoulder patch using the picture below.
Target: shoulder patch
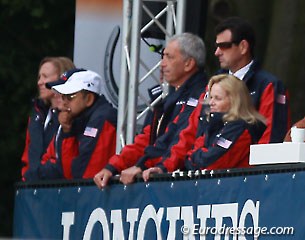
(192, 102)
(222, 142)
(90, 132)
(281, 99)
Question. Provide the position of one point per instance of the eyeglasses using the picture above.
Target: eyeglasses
(68, 97)
(224, 45)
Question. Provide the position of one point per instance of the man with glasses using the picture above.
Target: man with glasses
(86, 137)
(235, 41)
(43, 120)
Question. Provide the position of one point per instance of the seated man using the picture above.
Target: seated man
(221, 137)
(87, 133)
(43, 121)
(182, 67)
(235, 42)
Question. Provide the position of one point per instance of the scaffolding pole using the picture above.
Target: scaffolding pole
(130, 58)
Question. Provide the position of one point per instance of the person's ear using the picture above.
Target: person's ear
(89, 99)
(189, 64)
(244, 47)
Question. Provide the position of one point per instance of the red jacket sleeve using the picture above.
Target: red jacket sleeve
(216, 157)
(132, 152)
(25, 155)
(275, 108)
(49, 166)
(175, 159)
(105, 148)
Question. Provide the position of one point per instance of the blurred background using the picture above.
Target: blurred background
(31, 30)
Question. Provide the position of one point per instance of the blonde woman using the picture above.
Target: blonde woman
(43, 121)
(233, 125)
(221, 137)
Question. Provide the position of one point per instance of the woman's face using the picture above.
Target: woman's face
(47, 73)
(219, 99)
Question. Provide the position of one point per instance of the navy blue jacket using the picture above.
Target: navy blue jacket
(38, 138)
(270, 98)
(187, 96)
(223, 145)
(167, 119)
(85, 150)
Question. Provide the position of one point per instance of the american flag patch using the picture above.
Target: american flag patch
(281, 99)
(192, 102)
(222, 142)
(90, 132)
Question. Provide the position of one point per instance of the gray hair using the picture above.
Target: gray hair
(192, 46)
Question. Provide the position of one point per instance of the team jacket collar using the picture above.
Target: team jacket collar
(189, 84)
(257, 130)
(253, 69)
(255, 66)
(216, 123)
(83, 118)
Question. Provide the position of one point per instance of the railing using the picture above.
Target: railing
(264, 202)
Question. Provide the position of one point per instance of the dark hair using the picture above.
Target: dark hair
(240, 29)
(86, 92)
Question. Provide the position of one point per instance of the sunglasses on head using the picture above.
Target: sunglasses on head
(224, 45)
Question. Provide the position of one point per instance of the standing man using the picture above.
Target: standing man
(182, 67)
(86, 138)
(235, 41)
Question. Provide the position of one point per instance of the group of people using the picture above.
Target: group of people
(72, 131)
(200, 124)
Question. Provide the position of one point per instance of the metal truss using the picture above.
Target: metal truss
(128, 114)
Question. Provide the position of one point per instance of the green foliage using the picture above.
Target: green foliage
(30, 30)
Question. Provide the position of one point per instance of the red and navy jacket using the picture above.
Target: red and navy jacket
(201, 134)
(167, 119)
(38, 137)
(223, 145)
(174, 158)
(85, 150)
(270, 98)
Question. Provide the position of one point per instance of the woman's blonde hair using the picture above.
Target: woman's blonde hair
(240, 99)
(61, 63)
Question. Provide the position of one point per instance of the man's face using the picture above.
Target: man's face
(74, 103)
(173, 64)
(229, 54)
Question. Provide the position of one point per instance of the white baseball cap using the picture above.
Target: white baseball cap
(81, 80)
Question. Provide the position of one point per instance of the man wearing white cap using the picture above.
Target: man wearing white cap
(87, 133)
